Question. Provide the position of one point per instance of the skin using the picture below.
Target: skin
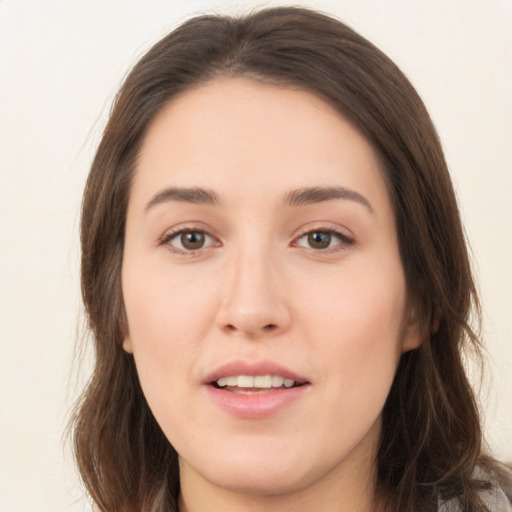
(258, 289)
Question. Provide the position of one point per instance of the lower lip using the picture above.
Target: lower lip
(257, 405)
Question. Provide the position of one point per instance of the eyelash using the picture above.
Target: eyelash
(344, 241)
(177, 233)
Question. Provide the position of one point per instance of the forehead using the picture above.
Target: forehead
(242, 136)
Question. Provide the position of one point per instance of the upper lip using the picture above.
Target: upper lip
(253, 368)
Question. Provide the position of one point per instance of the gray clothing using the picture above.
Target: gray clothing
(495, 499)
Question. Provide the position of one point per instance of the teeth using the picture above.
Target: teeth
(260, 381)
(288, 383)
(231, 381)
(277, 381)
(244, 381)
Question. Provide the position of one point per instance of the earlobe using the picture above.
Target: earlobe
(411, 341)
(411, 337)
(127, 344)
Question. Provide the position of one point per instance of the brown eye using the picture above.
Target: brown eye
(323, 239)
(192, 240)
(319, 239)
(188, 241)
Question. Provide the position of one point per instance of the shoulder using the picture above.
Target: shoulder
(495, 500)
(495, 497)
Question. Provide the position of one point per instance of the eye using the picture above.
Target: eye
(322, 239)
(189, 240)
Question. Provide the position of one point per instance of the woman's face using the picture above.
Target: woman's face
(265, 296)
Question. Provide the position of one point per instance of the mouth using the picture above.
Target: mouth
(255, 389)
(254, 384)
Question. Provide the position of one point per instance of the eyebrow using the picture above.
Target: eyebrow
(312, 195)
(299, 197)
(193, 195)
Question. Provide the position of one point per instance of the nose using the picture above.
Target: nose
(254, 302)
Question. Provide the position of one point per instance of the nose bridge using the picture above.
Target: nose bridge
(252, 302)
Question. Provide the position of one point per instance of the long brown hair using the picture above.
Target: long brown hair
(431, 440)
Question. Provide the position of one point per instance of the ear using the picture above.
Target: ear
(411, 333)
(435, 324)
(127, 344)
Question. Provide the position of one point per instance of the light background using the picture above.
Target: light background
(60, 65)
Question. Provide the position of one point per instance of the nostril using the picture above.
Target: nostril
(250, 329)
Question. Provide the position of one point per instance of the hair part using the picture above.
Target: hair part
(431, 439)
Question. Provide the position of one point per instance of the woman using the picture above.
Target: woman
(275, 274)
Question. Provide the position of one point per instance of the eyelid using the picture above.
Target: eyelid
(175, 231)
(344, 235)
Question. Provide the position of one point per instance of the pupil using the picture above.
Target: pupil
(192, 240)
(319, 239)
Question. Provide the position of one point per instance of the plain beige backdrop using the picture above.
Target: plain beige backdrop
(60, 65)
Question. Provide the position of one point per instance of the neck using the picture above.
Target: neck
(344, 499)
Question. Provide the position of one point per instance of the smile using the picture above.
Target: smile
(254, 390)
(249, 383)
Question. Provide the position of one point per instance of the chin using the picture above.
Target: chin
(262, 481)
(258, 472)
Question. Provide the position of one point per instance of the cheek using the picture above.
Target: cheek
(165, 311)
(356, 324)
(166, 322)
(355, 304)
(360, 358)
